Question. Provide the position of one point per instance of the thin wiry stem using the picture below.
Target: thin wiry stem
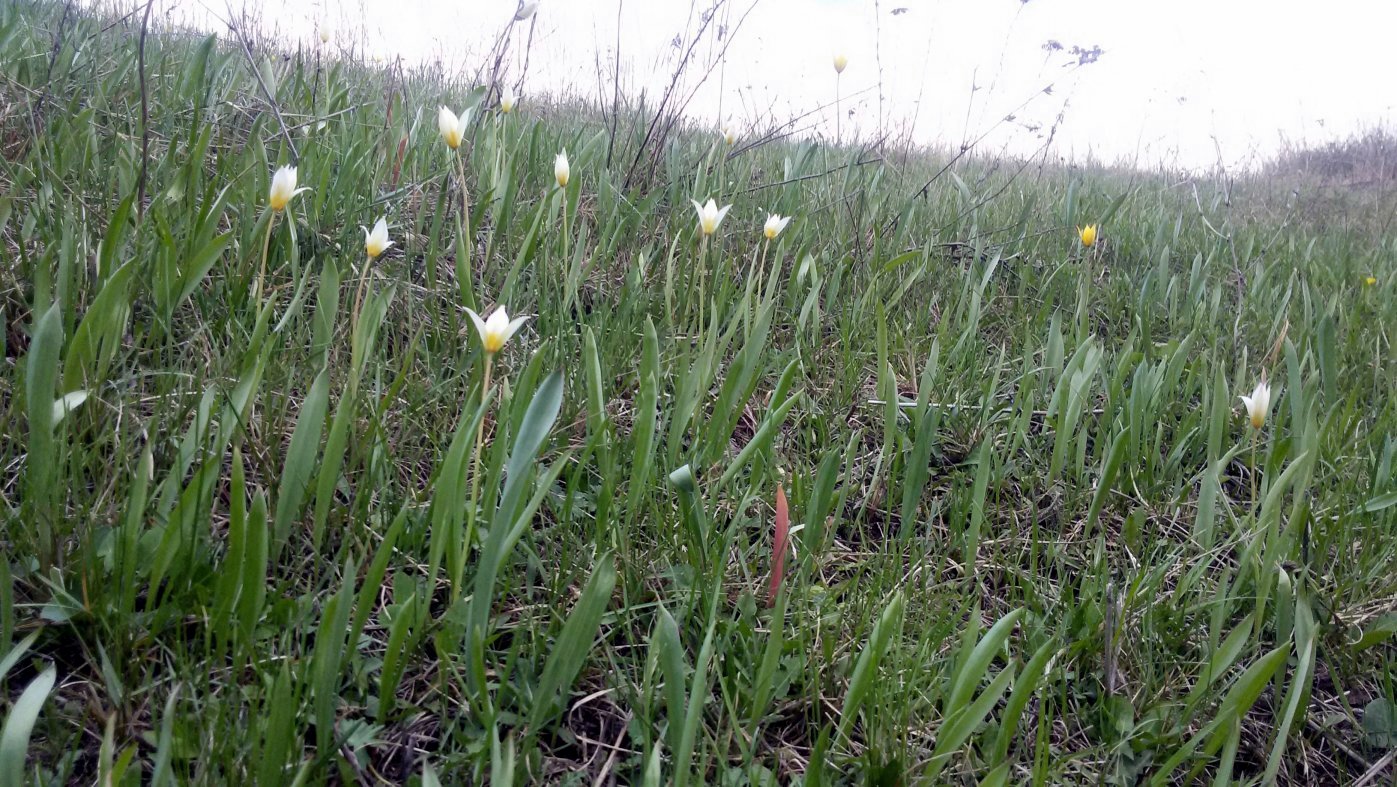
(145, 115)
(266, 91)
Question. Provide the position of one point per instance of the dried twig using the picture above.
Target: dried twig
(266, 91)
(856, 163)
(1377, 770)
(36, 117)
(145, 114)
(616, 88)
(669, 94)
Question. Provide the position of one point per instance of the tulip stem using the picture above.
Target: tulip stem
(475, 463)
(838, 137)
(1256, 438)
(761, 271)
(359, 295)
(703, 271)
(262, 266)
(1084, 296)
(499, 152)
(467, 240)
(566, 267)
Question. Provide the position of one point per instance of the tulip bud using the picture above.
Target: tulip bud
(561, 170)
(1258, 405)
(452, 128)
(283, 188)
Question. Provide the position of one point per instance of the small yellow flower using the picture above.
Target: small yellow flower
(507, 100)
(495, 330)
(283, 188)
(376, 241)
(841, 61)
(324, 36)
(561, 170)
(1370, 281)
(452, 128)
(1087, 234)
(728, 136)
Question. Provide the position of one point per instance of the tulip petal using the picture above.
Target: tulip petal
(514, 325)
(497, 321)
(479, 323)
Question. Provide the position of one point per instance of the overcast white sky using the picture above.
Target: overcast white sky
(1177, 82)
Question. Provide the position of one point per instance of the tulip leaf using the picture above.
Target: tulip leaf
(300, 457)
(574, 644)
(14, 738)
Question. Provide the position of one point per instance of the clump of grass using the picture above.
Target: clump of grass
(916, 489)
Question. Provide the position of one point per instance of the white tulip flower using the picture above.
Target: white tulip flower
(1258, 404)
(452, 128)
(774, 224)
(561, 170)
(496, 330)
(283, 188)
(376, 241)
(710, 215)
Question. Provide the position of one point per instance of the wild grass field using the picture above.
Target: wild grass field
(922, 490)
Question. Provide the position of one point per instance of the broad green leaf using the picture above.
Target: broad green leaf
(14, 738)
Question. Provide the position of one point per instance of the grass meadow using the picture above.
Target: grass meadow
(922, 490)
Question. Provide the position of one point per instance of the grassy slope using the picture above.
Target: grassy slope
(243, 557)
